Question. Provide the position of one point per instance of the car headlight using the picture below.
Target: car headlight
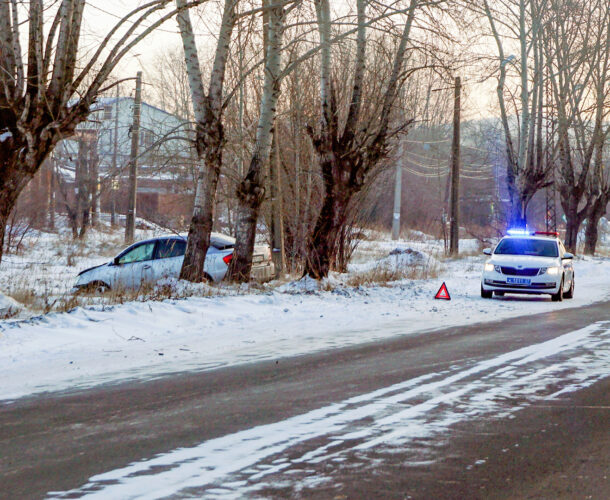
(553, 270)
(489, 267)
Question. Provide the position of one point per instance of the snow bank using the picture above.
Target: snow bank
(90, 346)
(8, 306)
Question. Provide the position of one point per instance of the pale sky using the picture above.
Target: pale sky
(101, 15)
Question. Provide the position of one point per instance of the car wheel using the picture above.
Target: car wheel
(96, 287)
(558, 297)
(499, 294)
(486, 294)
(570, 293)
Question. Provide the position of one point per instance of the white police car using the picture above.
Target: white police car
(533, 263)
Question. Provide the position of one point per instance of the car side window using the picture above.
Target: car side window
(562, 249)
(170, 248)
(138, 254)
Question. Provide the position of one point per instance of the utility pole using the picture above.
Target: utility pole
(398, 192)
(115, 148)
(277, 209)
(133, 163)
(454, 209)
(52, 207)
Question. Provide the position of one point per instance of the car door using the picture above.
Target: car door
(169, 256)
(134, 266)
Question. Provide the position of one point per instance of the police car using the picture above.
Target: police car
(526, 262)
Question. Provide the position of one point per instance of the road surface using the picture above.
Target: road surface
(513, 409)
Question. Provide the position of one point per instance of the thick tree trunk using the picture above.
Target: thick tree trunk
(5, 212)
(324, 243)
(251, 192)
(209, 136)
(12, 183)
(570, 201)
(250, 197)
(597, 211)
(203, 218)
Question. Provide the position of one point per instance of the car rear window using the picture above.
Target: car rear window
(525, 246)
(221, 242)
(170, 248)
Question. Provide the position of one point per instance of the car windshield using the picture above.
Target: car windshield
(525, 246)
(137, 254)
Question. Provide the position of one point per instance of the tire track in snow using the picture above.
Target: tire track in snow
(400, 414)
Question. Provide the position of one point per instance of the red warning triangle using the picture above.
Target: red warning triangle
(443, 293)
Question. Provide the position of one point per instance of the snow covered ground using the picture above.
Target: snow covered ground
(87, 346)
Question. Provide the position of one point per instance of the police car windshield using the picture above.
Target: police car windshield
(525, 246)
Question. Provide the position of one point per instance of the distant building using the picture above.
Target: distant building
(162, 135)
(165, 155)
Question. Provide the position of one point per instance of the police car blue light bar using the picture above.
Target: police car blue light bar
(519, 232)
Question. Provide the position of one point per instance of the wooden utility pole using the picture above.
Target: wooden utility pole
(133, 163)
(454, 209)
(398, 192)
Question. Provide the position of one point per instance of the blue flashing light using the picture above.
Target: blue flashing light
(519, 232)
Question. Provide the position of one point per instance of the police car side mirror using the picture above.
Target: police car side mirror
(568, 255)
(115, 261)
(487, 251)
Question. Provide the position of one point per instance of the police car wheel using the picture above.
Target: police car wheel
(558, 297)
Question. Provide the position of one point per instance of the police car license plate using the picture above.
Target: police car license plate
(518, 281)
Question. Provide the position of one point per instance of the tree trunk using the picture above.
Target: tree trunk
(203, 218)
(12, 183)
(5, 212)
(82, 180)
(250, 193)
(324, 243)
(597, 211)
(209, 136)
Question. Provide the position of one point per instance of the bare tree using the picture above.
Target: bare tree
(575, 40)
(209, 132)
(44, 98)
(599, 184)
(251, 192)
(526, 170)
(349, 151)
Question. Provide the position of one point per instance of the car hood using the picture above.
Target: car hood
(523, 261)
(92, 268)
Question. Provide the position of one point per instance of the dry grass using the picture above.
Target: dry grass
(383, 275)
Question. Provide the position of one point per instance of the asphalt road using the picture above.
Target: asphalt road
(57, 442)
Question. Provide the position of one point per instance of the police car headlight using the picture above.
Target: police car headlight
(553, 270)
(489, 267)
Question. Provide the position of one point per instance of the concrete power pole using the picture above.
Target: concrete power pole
(398, 192)
(277, 216)
(133, 163)
(454, 209)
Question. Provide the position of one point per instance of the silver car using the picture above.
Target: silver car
(148, 261)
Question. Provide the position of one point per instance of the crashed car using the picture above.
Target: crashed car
(146, 262)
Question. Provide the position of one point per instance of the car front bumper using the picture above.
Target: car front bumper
(494, 281)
